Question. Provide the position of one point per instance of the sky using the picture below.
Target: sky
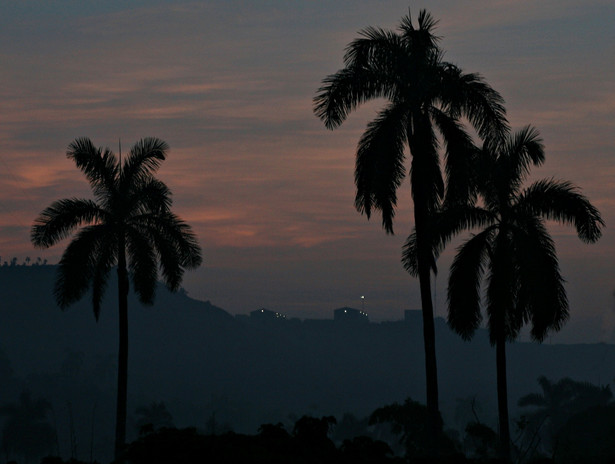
(268, 190)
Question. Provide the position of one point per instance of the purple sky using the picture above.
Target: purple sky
(268, 190)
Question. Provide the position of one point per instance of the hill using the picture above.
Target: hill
(207, 365)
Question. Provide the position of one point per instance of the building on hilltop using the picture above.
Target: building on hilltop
(352, 315)
(265, 315)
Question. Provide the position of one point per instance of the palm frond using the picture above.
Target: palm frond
(453, 219)
(426, 21)
(524, 150)
(443, 225)
(345, 90)
(541, 294)
(150, 195)
(561, 201)
(460, 158)
(502, 282)
(410, 255)
(182, 237)
(375, 48)
(426, 180)
(77, 264)
(103, 263)
(469, 95)
(99, 165)
(491, 184)
(379, 169)
(58, 221)
(464, 284)
(175, 244)
(170, 263)
(142, 264)
(421, 40)
(143, 160)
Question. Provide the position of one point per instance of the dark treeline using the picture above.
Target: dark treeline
(569, 422)
(26, 262)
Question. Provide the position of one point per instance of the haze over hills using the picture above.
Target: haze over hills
(201, 360)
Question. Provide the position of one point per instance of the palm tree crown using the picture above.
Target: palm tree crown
(426, 95)
(130, 207)
(561, 400)
(524, 284)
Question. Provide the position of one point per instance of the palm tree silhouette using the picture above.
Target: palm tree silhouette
(426, 97)
(524, 284)
(129, 225)
(560, 400)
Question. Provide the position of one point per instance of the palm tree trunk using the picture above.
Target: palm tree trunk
(420, 175)
(429, 334)
(122, 361)
(429, 341)
(500, 360)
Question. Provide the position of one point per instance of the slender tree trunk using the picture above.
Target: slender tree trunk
(429, 341)
(421, 176)
(500, 360)
(122, 361)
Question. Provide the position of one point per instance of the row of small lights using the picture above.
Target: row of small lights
(282, 316)
(277, 315)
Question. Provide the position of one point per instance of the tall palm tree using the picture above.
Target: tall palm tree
(426, 97)
(513, 251)
(559, 401)
(130, 226)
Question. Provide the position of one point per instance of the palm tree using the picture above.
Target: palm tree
(514, 248)
(130, 226)
(561, 400)
(426, 97)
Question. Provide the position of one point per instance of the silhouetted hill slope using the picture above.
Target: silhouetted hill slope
(34, 331)
(201, 360)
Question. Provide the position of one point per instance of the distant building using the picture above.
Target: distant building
(350, 315)
(265, 315)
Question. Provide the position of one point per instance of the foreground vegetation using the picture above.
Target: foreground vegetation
(567, 422)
